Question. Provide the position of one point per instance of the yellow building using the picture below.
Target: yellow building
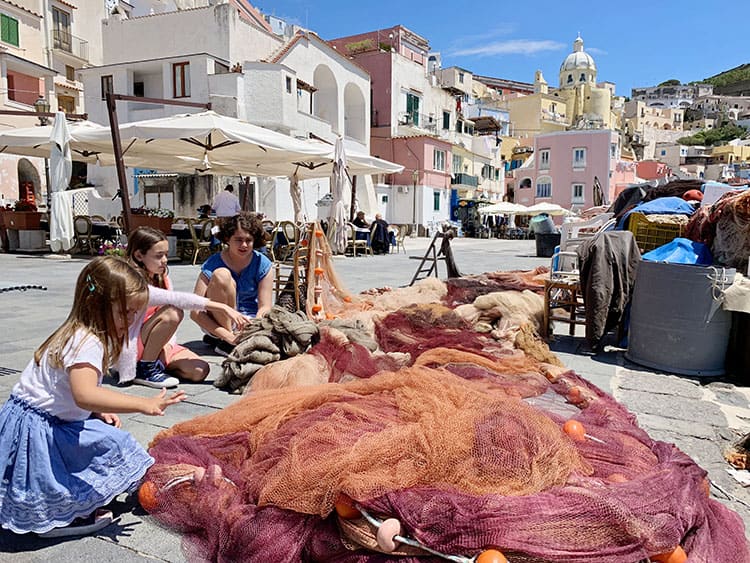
(578, 103)
(730, 154)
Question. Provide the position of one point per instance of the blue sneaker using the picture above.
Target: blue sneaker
(152, 374)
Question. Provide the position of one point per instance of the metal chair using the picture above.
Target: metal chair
(354, 244)
(400, 236)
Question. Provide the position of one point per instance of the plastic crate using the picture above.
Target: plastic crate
(649, 235)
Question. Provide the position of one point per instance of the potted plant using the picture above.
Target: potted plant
(24, 217)
(159, 219)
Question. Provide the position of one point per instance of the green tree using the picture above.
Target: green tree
(713, 137)
(670, 82)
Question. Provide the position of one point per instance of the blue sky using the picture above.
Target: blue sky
(685, 40)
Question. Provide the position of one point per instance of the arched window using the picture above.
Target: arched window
(570, 79)
(583, 77)
(544, 186)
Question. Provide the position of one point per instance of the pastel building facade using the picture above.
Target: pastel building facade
(428, 119)
(228, 55)
(565, 166)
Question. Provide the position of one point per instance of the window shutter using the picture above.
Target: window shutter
(4, 20)
(9, 30)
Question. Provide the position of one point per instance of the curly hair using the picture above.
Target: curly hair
(248, 222)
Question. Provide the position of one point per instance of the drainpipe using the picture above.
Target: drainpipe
(415, 178)
(47, 32)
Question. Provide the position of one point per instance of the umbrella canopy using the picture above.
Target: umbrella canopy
(337, 219)
(548, 208)
(37, 141)
(504, 207)
(61, 167)
(202, 141)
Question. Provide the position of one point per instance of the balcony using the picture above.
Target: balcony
(418, 120)
(64, 41)
(462, 179)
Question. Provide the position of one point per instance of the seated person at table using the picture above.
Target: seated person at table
(360, 223)
(381, 238)
(158, 353)
(239, 276)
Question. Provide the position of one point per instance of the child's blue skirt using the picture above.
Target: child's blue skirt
(56, 471)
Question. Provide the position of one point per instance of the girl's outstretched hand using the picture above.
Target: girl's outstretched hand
(238, 319)
(155, 406)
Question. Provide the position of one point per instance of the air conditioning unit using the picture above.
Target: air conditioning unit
(403, 189)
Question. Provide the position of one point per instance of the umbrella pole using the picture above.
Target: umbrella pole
(352, 207)
(117, 147)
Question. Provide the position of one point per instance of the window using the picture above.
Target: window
(544, 186)
(525, 183)
(412, 108)
(436, 200)
(438, 160)
(9, 30)
(61, 37)
(663, 152)
(461, 78)
(613, 150)
(70, 73)
(12, 87)
(582, 78)
(570, 79)
(579, 158)
(107, 87)
(139, 89)
(457, 164)
(577, 193)
(544, 158)
(181, 80)
(446, 120)
(288, 84)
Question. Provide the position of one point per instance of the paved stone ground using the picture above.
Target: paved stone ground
(701, 417)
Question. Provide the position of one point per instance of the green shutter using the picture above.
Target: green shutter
(9, 30)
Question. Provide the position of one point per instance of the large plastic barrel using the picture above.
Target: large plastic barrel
(676, 323)
(546, 243)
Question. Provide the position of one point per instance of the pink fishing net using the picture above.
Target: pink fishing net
(458, 436)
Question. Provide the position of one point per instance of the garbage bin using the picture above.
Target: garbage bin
(546, 243)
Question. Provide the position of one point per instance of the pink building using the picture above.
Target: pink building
(566, 165)
(652, 169)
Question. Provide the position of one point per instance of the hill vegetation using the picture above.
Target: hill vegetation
(732, 76)
(712, 137)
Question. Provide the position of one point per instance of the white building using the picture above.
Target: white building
(227, 55)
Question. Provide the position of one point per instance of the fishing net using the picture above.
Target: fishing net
(467, 438)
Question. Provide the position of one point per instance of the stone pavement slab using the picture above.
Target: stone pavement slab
(702, 418)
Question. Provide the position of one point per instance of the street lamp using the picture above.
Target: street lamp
(42, 106)
(414, 178)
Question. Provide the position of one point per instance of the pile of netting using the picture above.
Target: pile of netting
(408, 433)
(725, 227)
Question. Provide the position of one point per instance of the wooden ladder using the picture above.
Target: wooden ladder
(429, 261)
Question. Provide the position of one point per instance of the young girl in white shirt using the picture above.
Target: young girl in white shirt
(63, 453)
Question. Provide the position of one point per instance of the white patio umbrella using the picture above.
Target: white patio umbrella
(61, 233)
(544, 207)
(201, 142)
(296, 193)
(37, 141)
(337, 219)
(503, 207)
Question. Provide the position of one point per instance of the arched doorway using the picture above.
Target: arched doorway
(325, 101)
(354, 113)
(29, 181)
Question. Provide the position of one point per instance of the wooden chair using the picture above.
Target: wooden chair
(353, 244)
(98, 219)
(400, 236)
(285, 239)
(199, 244)
(85, 241)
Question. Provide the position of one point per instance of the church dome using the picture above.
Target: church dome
(578, 59)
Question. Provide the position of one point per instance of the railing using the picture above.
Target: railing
(462, 179)
(421, 120)
(65, 41)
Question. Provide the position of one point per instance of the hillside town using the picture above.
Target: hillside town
(461, 138)
(275, 297)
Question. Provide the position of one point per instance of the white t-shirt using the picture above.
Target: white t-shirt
(226, 204)
(48, 388)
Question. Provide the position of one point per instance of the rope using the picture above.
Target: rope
(22, 288)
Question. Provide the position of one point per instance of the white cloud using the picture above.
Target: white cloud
(595, 51)
(511, 47)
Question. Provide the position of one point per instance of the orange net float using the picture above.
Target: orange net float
(345, 508)
(317, 308)
(677, 555)
(491, 556)
(575, 430)
(319, 271)
(319, 233)
(147, 496)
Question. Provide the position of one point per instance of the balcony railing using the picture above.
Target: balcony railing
(65, 41)
(421, 120)
(462, 179)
